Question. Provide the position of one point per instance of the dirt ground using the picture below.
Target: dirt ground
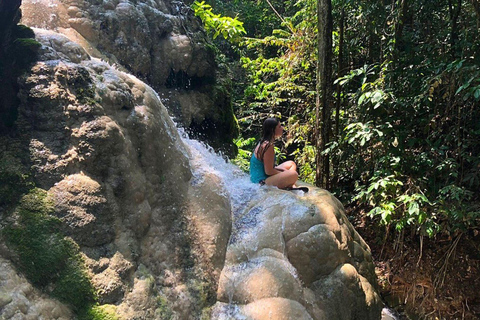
(426, 278)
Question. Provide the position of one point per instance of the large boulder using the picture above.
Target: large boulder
(161, 42)
(294, 256)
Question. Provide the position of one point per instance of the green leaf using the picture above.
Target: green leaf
(422, 217)
(477, 94)
(362, 97)
(377, 96)
(413, 208)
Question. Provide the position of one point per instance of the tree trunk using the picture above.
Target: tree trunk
(341, 72)
(399, 25)
(476, 7)
(324, 89)
(454, 14)
(338, 102)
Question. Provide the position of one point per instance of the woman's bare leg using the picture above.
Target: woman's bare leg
(285, 179)
(287, 165)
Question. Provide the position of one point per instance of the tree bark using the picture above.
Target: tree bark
(340, 71)
(476, 7)
(454, 14)
(324, 89)
(399, 25)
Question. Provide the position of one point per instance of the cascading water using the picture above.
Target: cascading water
(236, 183)
(240, 191)
(250, 219)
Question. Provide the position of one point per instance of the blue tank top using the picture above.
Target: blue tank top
(257, 170)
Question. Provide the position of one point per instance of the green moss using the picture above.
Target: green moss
(25, 51)
(27, 43)
(204, 293)
(14, 180)
(97, 312)
(73, 285)
(48, 260)
(206, 314)
(163, 310)
(22, 31)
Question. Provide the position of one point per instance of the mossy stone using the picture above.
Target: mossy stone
(48, 259)
(100, 312)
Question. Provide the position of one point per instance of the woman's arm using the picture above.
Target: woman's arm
(269, 161)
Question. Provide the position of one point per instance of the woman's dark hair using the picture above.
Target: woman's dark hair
(268, 134)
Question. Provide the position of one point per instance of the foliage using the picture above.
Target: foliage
(230, 28)
(406, 103)
(402, 167)
(245, 147)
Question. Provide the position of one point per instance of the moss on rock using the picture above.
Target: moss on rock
(14, 179)
(48, 259)
(100, 312)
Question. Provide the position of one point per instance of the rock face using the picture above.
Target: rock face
(19, 300)
(161, 42)
(293, 257)
(102, 144)
(17, 51)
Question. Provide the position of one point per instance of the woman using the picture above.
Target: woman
(262, 163)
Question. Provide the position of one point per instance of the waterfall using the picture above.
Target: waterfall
(245, 219)
(236, 183)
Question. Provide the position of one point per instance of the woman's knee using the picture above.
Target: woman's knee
(292, 176)
(291, 165)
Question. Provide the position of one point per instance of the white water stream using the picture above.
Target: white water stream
(236, 183)
(240, 191)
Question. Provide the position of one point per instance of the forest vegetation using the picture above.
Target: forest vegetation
(395, 131)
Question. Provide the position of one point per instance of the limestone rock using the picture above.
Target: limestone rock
(79, 202)
(161, 42)
(347, 295)
(276, 308)
(259, 278)
(109, 286)
(210, 222)
(104, 147)
(295, 257)
(19, 300)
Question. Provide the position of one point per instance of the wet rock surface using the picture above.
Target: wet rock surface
(296, 257)
(161, 42)
(104, 147)
(20, 300)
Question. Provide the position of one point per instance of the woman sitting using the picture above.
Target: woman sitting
(262, 163)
